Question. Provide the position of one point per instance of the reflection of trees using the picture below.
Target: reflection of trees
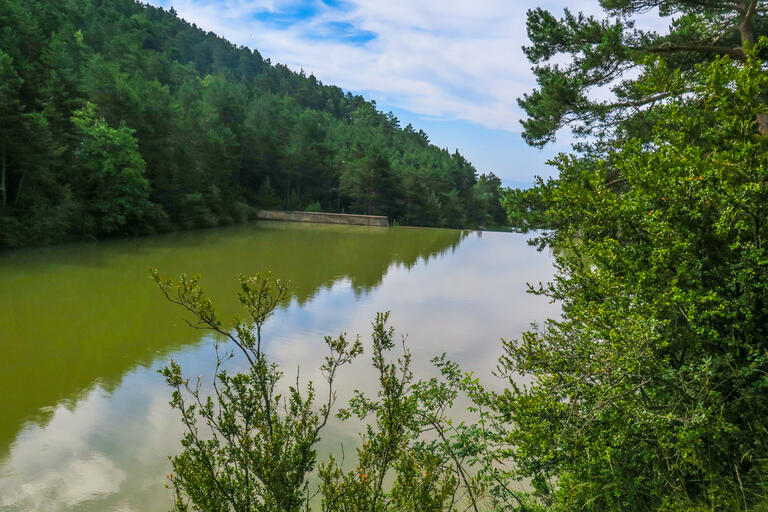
(72, 316)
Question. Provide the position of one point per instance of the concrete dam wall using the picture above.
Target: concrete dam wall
(325, 218)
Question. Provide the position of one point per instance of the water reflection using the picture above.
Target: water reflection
(101, 427)
(70, 316)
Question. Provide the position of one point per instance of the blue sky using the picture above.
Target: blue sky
(452, 68)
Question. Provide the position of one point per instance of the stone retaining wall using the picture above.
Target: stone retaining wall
(326, 218)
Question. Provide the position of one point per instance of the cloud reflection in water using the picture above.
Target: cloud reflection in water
(108, 452)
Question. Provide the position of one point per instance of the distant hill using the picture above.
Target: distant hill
(118, 118)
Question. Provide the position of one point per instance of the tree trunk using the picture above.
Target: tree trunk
(762, 123)
(747, 34)
(18, 191)
(2, 181)
(746, 30)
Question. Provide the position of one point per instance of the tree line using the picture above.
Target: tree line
(118, 118)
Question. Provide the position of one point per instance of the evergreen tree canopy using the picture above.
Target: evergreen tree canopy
(119, 118)
(612, 53)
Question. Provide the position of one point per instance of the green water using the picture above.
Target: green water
(84, 420)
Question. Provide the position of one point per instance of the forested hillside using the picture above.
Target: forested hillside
(118, 118)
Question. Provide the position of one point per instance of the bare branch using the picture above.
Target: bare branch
(736, 53)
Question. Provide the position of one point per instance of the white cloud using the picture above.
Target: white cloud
(456, 66)
(447, 60)
(106, 452)
(68, 471)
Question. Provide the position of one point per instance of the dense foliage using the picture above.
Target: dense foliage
(526, 209)
(118, 118)
(651, 392)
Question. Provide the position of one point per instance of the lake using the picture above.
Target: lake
(84, 419)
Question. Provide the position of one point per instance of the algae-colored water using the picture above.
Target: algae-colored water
(84, 418)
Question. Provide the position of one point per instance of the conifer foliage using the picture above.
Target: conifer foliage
(120, 118)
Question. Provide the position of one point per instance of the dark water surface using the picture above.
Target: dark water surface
(84, 417)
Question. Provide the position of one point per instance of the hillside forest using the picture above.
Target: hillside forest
(118, 118)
